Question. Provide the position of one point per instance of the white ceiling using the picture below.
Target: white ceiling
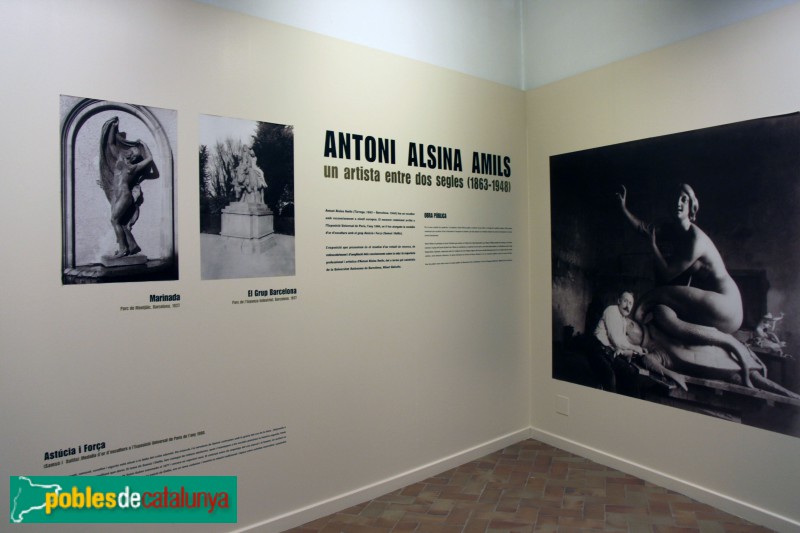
(522, 43)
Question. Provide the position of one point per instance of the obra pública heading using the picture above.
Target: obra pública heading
(354, 146)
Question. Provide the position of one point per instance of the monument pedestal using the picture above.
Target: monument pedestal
(247, 221)
(150, 270)
(234, 246)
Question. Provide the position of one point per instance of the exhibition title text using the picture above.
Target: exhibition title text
(485, 167)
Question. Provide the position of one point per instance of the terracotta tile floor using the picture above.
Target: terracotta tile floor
(527, 487)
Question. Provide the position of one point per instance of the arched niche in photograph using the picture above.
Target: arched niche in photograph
(117, 176)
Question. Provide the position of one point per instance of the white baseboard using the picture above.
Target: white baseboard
(332, 505)
(723, 502)
(343, 501)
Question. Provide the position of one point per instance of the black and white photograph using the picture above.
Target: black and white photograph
(246, 198)
(676, 270)
(118, 192)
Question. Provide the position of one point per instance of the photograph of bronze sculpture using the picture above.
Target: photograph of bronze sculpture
(118, 192)
(676, 270)
(246, 198)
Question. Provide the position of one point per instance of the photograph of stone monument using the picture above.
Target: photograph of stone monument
(118, 192)
(246, 185)
(676, 270)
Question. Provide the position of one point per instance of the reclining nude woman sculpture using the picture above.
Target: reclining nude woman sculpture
(123, 167)
(666, 356)
(696, 306)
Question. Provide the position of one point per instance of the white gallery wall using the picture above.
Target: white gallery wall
(379, 377)
(477, 37)
(567, 37)
(521, 43)
(733, 74)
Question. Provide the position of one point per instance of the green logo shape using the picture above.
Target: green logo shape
(122, 499)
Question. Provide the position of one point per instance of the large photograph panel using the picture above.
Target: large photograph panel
(246, 198)
(682, 254)
(118, 192)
